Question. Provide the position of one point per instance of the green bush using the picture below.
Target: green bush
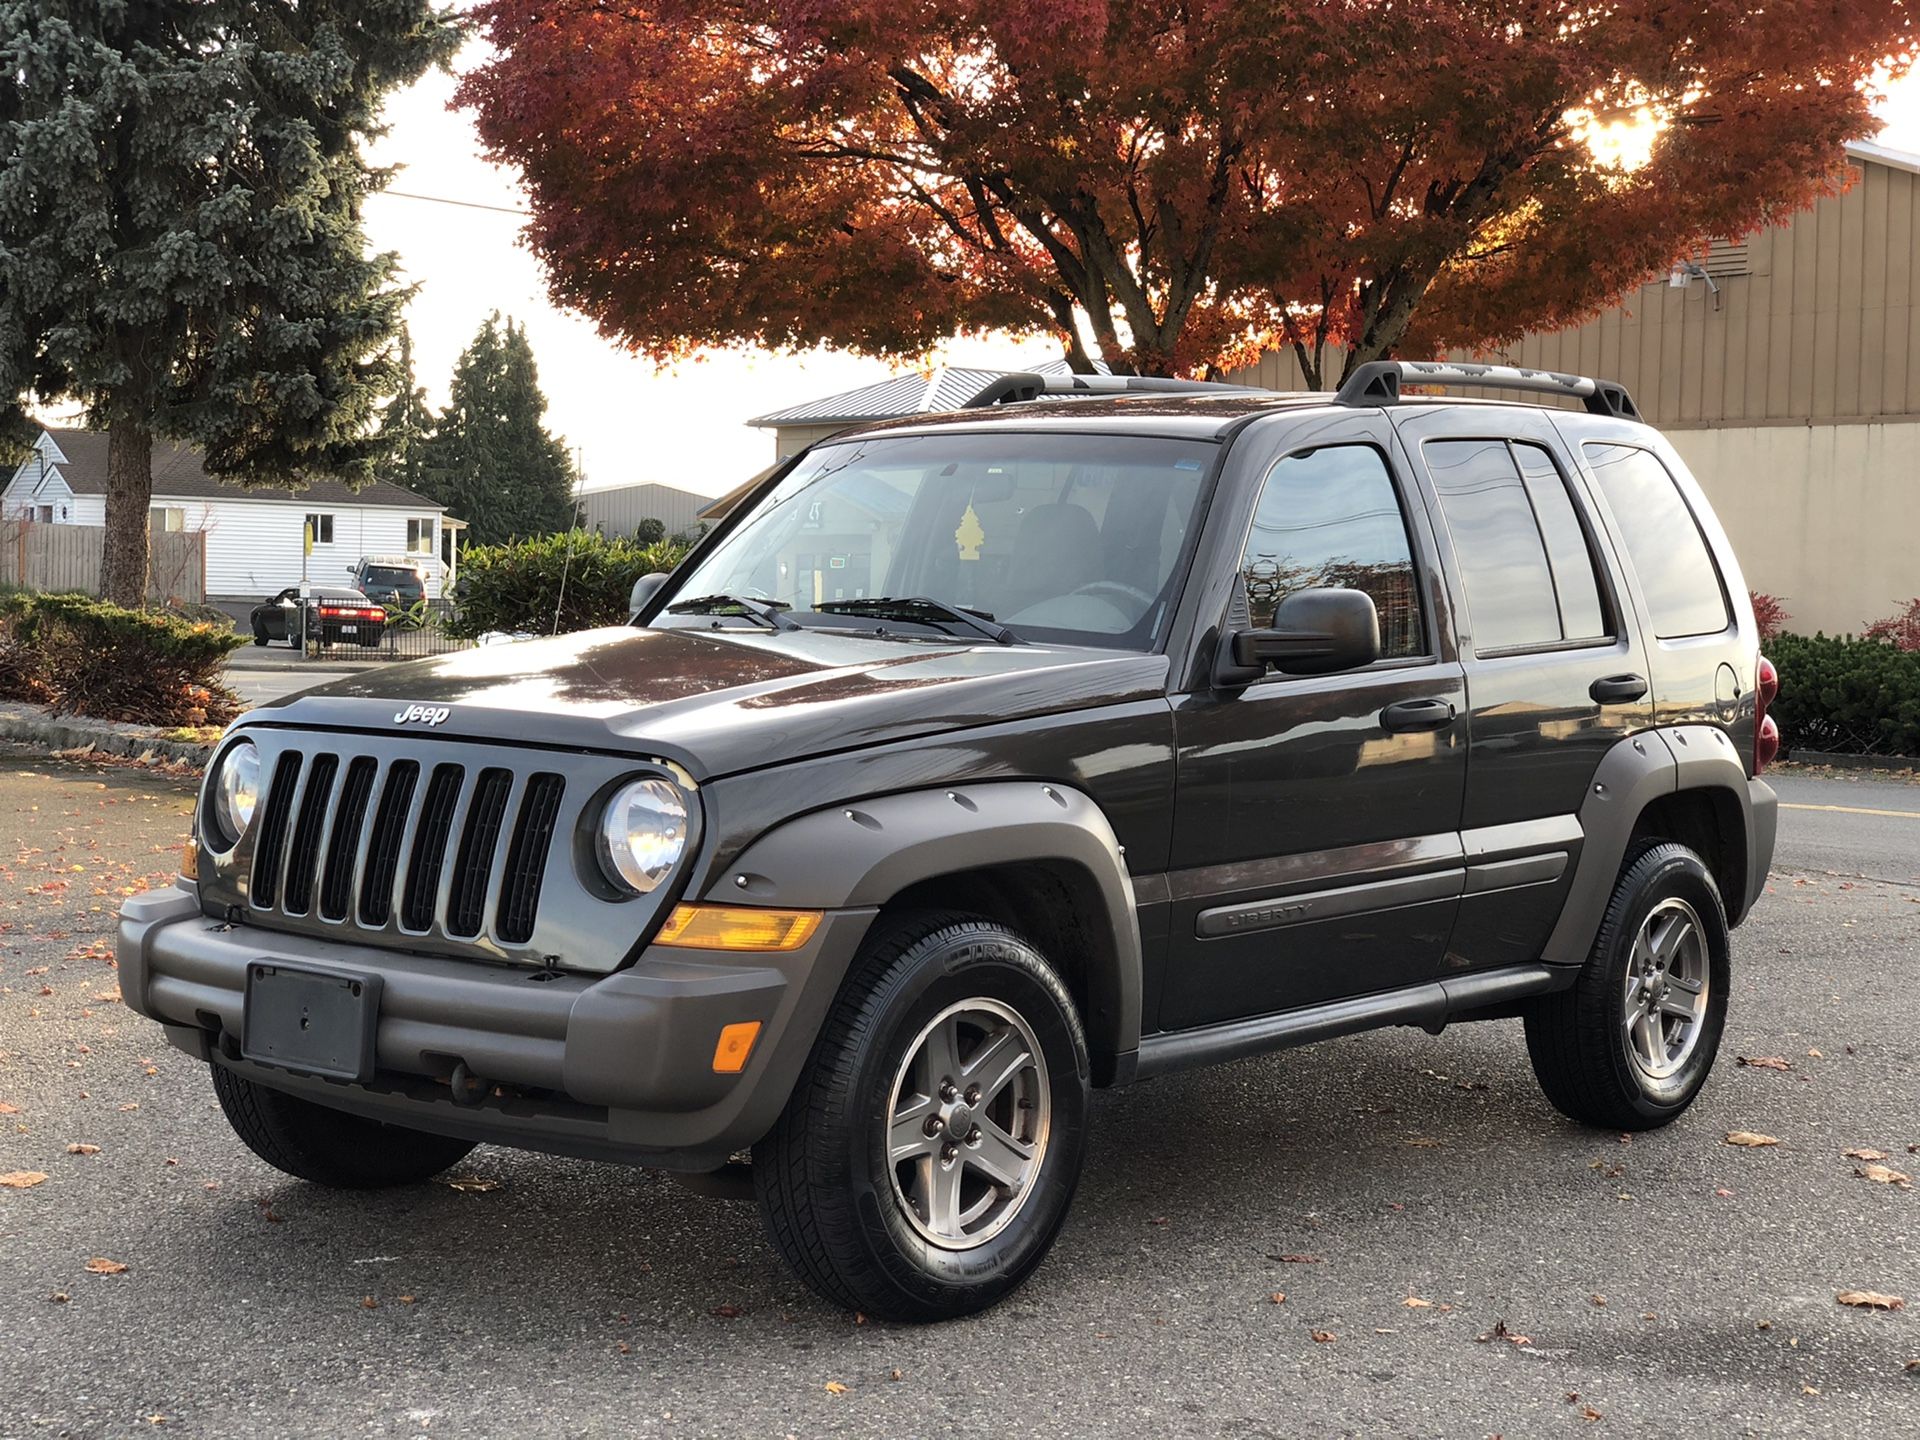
(86, 657)
(1847, 695)
(516, 587)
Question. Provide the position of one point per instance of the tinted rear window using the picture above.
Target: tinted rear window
(389, 575)
(1669, 554)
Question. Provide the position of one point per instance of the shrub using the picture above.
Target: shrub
(86, 657)
(1770, 613)
(1849, 695)
(1900, 629)
(516, 587)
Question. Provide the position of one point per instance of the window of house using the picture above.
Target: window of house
(1684, 591)
(168, 517)
(1331, 517)
(321, 528)
(420, 535)
(1522, 555)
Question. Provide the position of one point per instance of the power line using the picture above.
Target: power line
(463, 204)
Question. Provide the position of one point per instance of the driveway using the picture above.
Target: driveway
(1455, 1258)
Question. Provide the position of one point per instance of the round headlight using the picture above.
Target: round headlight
(643, 834)
(237, 790)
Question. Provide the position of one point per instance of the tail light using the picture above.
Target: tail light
(1766, 731)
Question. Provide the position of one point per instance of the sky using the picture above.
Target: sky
(629, 421)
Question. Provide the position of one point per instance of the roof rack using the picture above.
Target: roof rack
(1378, 382)
(1009, 389)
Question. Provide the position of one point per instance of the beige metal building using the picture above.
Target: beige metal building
(1785, 368)
(615, 511)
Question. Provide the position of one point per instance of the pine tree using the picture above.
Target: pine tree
(180, 192)
(407, 421)
(491, 460)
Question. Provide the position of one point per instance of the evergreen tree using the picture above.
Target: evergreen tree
(491, 461)
(180, 240)
(406, 422)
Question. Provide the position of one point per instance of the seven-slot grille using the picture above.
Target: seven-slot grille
(437, 849)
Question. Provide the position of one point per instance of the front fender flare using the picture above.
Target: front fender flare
(862, 854)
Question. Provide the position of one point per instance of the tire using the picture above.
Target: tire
(1592, 1065)
(259, 633)
(329, 1147)
(881, 1238)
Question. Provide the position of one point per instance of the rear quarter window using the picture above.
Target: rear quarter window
(1684, 592)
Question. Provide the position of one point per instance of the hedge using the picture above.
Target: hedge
(514, 588)
(1846, 695)
(85, 656)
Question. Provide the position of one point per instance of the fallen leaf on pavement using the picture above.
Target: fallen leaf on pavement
(1764, 1062)
(22, 1179)
(1815, 1055)
(898, 1375)
(1424, 1142)
(727, 1312)
(471, 1184)
(59, 1297)
(1587, 1412)
(1279, 1297)
(1884, 1175)
(1871, 1300)
(1414, 1302)
(834, 1387)
(1324, 1337)
(1500, 1332)
(78, 1148)
(1296, 1259)
(1749, 1138)
(6, 1109)
(369, 1303)
(1863, 1153)
(100, 1265)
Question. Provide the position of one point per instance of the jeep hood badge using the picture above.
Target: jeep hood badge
(422, 715)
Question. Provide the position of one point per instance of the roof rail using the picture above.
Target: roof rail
(1008, 389)
(1378, 382)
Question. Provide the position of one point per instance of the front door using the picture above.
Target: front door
(1316, 829)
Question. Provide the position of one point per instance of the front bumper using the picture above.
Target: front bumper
(615, 1067)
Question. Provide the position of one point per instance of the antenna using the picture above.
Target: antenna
(573, 527)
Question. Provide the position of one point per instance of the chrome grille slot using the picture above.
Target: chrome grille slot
(303, 852)
(527, 857)
(479, 838)
(383, 850)
(343, 846)
(430, 847)
(270, 841)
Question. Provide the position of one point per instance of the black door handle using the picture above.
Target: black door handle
(1618, 689)
(1417, 715)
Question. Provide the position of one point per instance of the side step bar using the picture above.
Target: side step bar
(1430, 1005)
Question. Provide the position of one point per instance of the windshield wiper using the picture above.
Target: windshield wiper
(767, 612)
(921, 607)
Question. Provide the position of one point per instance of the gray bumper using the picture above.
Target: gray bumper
(1763, 821)
(610, 1067)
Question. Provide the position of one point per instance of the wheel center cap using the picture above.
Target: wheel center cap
(957, 1118)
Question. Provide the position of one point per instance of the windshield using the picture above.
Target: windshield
(1074, 539)
(390, 575)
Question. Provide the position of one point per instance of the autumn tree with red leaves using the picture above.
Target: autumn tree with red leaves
(1195, 182)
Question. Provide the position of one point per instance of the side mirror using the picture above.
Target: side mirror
(644, 589)
(1314, 632)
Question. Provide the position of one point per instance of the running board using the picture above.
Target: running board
(1430, 1004)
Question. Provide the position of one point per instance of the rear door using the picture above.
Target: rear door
(1316, 824)
(1556, 673)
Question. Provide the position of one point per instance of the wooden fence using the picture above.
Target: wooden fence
(39, 556)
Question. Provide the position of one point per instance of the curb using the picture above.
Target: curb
(100, 736)
(1840, 761)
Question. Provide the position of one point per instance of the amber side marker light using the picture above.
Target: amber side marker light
(737, 927)
(190, 859)
(735, 1045)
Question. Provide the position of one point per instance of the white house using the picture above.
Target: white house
(254, 536)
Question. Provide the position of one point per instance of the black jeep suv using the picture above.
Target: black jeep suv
(977, 761)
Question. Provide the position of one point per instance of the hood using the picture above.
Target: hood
(720, 701)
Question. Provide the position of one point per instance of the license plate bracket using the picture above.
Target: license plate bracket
(314, 1022)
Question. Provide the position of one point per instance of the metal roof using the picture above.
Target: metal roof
(915, 393)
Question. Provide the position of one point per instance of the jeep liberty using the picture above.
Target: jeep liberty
(976, 761)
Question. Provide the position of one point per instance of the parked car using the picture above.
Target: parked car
(394, 582)
(1154, 729)
(334, 614)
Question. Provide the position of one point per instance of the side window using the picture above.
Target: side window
(1523, 557)
(1331, 517)
(1677, 572)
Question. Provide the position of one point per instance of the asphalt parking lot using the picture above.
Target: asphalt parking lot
(1455, 1259)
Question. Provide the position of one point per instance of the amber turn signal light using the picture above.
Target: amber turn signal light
(190, 860)
(735, 1045)
(737, 927)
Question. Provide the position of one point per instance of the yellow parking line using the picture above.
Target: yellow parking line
(1854, 810)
